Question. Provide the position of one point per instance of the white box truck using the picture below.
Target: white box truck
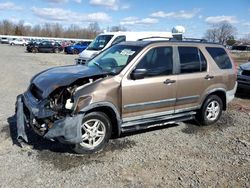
(105, 40)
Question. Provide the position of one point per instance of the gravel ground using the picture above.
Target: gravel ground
(180, 155)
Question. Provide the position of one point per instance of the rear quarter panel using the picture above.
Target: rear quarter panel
(224, 79)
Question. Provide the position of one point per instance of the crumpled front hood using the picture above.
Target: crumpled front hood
(51, 79)
(245, 66)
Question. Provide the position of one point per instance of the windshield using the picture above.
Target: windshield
(100, 42)
(114, 59)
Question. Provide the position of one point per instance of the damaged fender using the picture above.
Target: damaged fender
(67, 130)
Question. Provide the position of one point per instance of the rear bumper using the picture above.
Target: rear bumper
(231, 93)
(66, 130)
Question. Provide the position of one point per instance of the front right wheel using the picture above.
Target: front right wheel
(95, 131)
(210, 111)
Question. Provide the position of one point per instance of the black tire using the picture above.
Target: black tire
(203, 113)
(75, 51)
(80, 148)
(34, 50)
(56, 50)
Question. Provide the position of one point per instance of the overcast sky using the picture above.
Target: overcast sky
(136, 15)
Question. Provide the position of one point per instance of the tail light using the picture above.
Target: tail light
(235, 67)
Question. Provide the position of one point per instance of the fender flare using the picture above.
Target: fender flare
(212, 91)
(105, 104)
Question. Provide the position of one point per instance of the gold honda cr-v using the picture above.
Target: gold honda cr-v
(130, 86)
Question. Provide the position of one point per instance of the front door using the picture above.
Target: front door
(155, 94)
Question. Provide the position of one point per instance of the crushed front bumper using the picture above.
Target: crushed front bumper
(66, 130)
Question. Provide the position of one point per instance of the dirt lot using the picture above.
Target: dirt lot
(183, 155)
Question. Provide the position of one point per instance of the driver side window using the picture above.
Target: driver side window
(158, 62)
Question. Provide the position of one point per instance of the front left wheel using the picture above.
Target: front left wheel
(96, 131)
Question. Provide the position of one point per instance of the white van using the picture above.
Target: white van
(105, 40)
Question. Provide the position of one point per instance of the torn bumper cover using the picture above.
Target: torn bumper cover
(66, 130)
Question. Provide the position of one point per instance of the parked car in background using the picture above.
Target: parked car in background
(243, 76)
(67, 43)
(21, 42)
(130, 86)
(4, 40)
(44, 46)
(241, 47)
(76, 48)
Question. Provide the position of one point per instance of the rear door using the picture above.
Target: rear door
(193, 78)
(154, 94)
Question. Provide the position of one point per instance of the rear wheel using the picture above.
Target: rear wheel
(56, 50)
(34, 50)
(211, 110)
(96, 131)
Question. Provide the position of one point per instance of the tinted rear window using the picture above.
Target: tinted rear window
(220, 57)
(191, 60)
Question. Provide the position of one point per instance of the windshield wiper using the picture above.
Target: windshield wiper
(99, 66)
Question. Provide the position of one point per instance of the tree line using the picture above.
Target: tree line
(224, 33)
(54, 30)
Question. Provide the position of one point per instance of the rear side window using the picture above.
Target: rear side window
(191, 60)
(220, 57)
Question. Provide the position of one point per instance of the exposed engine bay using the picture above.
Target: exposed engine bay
(61, 102)
(62, 99)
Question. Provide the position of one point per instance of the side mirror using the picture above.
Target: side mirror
(138, 74)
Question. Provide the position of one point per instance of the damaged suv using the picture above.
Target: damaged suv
(130, 86)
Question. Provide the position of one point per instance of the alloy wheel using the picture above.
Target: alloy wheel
(212, 110)
(93, 133)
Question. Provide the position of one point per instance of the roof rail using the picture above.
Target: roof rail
(174, 39)
(194, 39)
(155, 37)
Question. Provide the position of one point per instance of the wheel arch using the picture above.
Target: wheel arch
(111, 111)
(220, 92)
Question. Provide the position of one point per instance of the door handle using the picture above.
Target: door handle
(209, 77)
(168, 81)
